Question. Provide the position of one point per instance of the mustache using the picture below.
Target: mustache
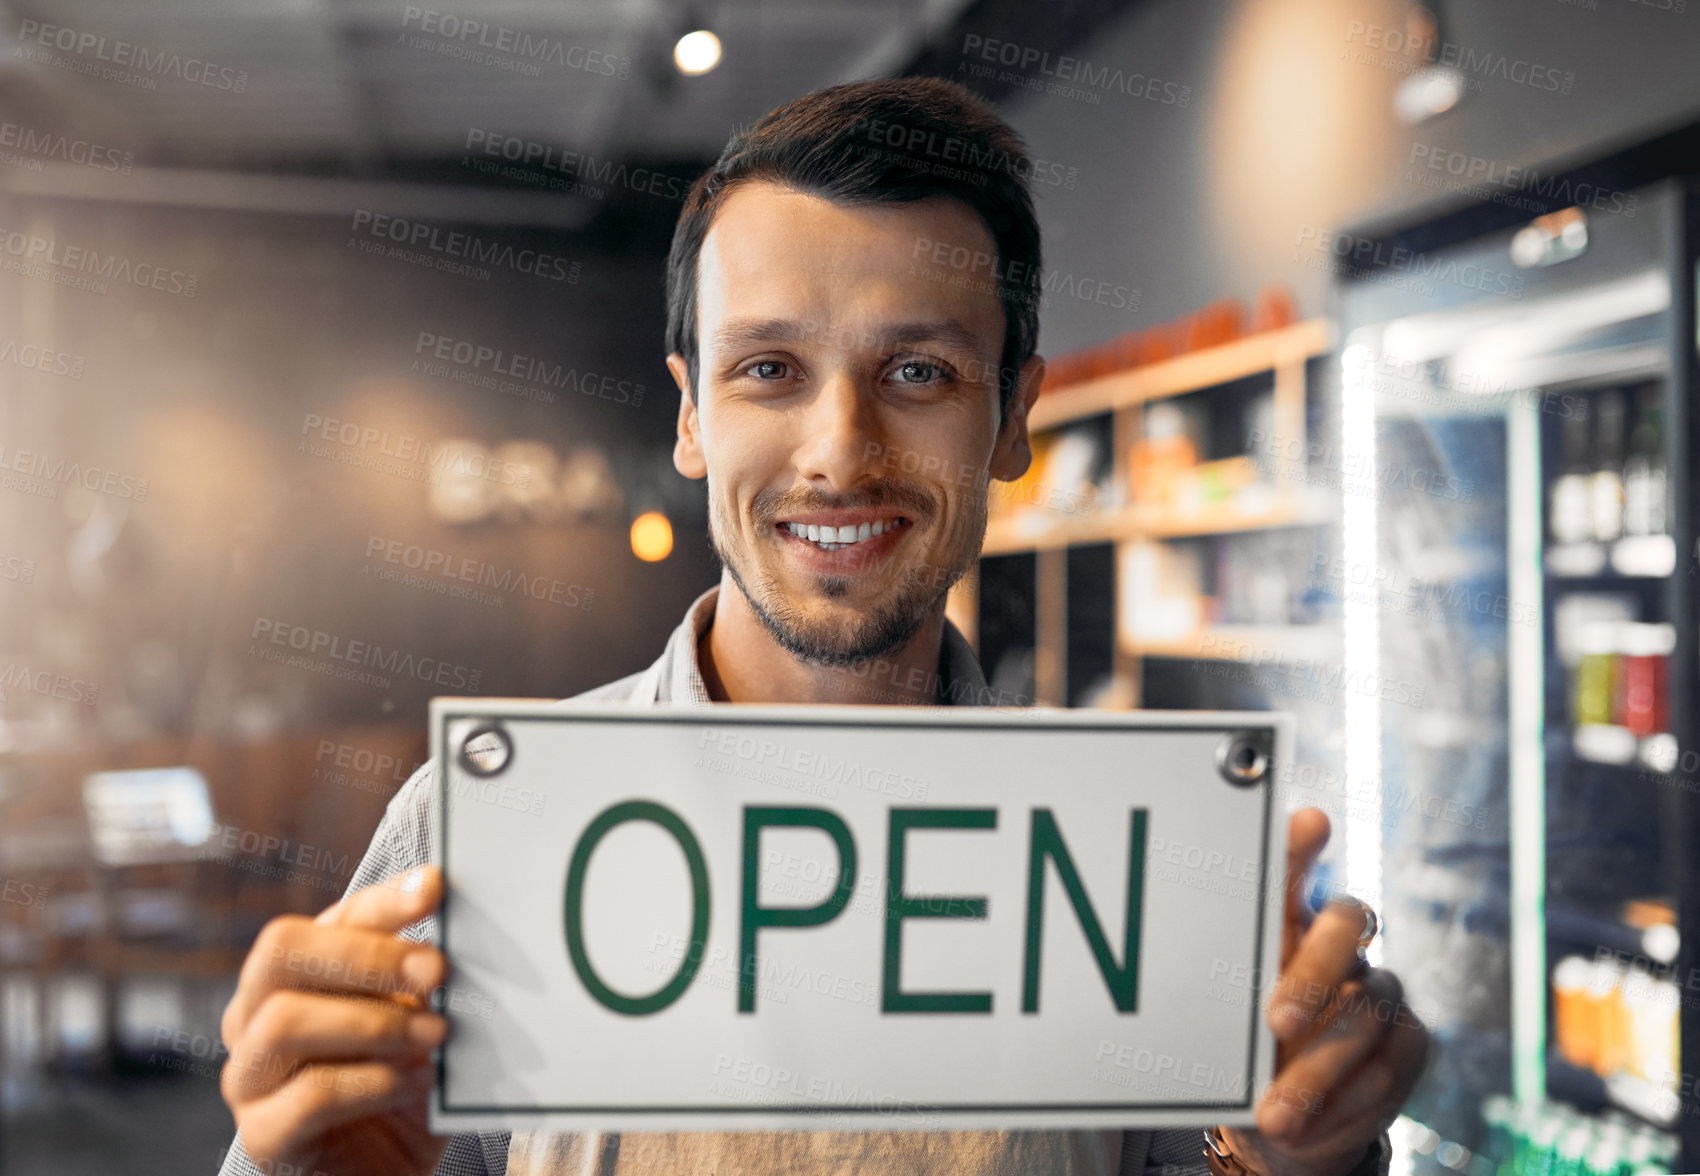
(906, 498)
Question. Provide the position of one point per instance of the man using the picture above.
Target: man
(852, 327)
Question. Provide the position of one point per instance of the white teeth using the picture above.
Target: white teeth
(832, 538)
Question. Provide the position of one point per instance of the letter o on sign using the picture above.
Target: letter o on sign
(619, 814)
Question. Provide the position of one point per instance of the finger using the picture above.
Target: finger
(294, 952)
(1325, 957)
(398, 901)
(1351, 1030)
(292, 1027)
(321, 1097)
(1307, 833)
(1374, 1091)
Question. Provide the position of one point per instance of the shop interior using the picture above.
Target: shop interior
(1371, 331)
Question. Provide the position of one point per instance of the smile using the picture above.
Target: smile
(830, 537)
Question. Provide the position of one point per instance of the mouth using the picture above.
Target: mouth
(838, 533)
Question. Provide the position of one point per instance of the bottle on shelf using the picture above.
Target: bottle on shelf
(1595, 687)
(1644, 483)
(1606, 489)
(1555, 1139)
(1643, 691)
(1570, 513)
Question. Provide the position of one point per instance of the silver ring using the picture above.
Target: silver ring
(1372, 924)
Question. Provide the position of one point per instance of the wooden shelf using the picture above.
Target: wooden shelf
(1250, 502)
(1196, 370)
(1038, 531)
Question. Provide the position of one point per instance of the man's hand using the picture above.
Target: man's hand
(330, 1036)
(1348, 1048)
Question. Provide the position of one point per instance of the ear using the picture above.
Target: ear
(1013, 452)
(687, 450)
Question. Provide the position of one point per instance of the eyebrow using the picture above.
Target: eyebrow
(737, 333)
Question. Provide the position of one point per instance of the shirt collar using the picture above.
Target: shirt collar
(676, 676)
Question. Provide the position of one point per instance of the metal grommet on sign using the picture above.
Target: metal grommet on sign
(487, 750)
(1242, 758)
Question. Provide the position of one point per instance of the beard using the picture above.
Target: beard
(846, 642)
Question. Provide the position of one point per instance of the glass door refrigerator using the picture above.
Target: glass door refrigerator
(1517, 554)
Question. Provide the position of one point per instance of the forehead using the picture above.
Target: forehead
(776, 252)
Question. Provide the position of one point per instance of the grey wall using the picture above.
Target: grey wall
(1289, 127)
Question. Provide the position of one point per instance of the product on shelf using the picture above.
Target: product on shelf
(1616, 1019)
(1162, 457)
(1645, 493)
(1220, 322)
(1643, 689)
(1595, 687)
(1622, 677)
(1606, 491)
(1569, 513)
(1555, 1139)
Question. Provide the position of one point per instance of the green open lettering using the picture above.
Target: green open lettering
(1123, 981)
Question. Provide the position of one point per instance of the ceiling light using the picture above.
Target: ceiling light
(697, 53)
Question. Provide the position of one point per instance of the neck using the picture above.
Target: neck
(741, 662)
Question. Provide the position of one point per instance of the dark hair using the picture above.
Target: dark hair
(889, 141)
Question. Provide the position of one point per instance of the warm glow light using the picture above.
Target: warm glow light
(652, 536)
(697, 53)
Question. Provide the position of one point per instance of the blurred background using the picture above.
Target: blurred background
(331, 379)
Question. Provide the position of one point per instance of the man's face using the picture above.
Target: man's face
(847, 412)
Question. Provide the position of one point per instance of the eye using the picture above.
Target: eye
(767, 369)
(920, 371)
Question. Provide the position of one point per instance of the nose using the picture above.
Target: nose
(842, 437)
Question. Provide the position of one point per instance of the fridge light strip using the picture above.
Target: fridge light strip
(1362, 631)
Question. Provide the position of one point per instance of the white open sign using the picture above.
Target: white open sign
(842, 918)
